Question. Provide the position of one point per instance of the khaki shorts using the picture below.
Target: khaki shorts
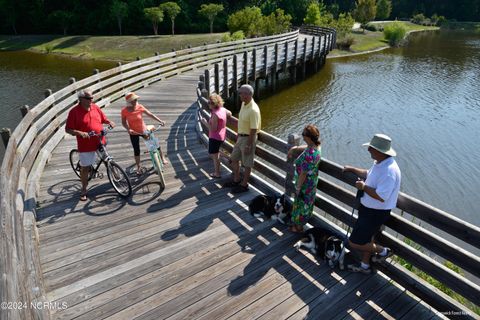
(87, 158)
(238, 152)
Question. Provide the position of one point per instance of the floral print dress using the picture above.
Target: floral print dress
(307, 162)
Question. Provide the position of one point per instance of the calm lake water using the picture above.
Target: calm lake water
(25, 76)
(426, 96)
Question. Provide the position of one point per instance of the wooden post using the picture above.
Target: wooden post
(293, 140)
(201, 85)
(245, 67)
(304, 60)
(47, 93)
(207, 81)
(254, 64)
(312, 55)
(217, 78)
(96, 72)
(275, 65)
(226, 91)
(285, 62)
(6, 134)
(24, 110)
(293, 68)
(324, 49)
(257, 89)
(235, 80)
(265, 62)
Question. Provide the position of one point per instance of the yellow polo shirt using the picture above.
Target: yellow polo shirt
(249, 118)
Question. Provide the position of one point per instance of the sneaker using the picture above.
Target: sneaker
(358, 268)
(240, 189)
(231, 184)
(378, 258)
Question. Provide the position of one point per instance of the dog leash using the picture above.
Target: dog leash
(356, 205)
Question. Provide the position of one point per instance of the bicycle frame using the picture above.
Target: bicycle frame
(152, 144)
(101, 151)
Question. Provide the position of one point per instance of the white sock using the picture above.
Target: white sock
(364, 265)
(384, 252)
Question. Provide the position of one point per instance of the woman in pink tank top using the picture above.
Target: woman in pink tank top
(217, 129)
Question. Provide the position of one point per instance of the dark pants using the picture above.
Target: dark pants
(135, 139)
(368, 223)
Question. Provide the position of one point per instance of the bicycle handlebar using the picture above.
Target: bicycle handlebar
(152, 128)
(102, 133)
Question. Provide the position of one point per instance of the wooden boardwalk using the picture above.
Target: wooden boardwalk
(191, 251)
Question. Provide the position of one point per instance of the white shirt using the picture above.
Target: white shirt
(385, 178)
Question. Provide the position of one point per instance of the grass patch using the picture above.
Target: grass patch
(123, 48)
(434, 282)
(373, 40)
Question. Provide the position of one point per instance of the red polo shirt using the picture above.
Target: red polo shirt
(86, 121)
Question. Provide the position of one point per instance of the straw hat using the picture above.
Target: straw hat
(131, 96)
(382, 143)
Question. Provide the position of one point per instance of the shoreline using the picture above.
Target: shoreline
(87, 55)
(351, 54)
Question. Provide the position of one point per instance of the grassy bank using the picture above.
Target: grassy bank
(123, 48)
(374, 40)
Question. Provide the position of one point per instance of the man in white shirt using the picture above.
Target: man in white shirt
(381, 185)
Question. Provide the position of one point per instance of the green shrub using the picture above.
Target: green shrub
(345, 43)
(237, 35)
(418, 18)
(370, 27)
(48, 48)
(394, 33)
(343, 24)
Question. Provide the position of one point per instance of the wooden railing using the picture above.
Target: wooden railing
(332, 198)
(31, 144)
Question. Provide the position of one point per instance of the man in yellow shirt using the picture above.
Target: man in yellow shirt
(249, 124)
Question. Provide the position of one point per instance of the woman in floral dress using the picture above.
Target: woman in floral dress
(306, 177)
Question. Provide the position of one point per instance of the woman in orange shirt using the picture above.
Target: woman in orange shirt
(132, 120)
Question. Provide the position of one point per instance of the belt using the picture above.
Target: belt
(243, 135)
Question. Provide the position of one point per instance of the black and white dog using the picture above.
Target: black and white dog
(325, 244)
(271, 207)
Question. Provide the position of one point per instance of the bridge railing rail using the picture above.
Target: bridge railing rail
(432, 244)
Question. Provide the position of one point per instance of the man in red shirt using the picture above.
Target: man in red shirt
(85, 117)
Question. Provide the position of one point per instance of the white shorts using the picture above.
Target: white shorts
(87, 158)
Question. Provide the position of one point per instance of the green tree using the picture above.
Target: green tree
(249, 20)
(172, 9)
(119, 11)
(8, 14)
(318, 15)
(344, 24)
(313, 14)
(155, 15)
(62, 18)
(384, 9)
(210, 11)
(277, 22)
(365, 11)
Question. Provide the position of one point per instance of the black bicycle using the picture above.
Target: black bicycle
(116, 175)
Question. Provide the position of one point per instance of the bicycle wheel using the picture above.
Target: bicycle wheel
(159, 168)
(118, 179)
(75, 163)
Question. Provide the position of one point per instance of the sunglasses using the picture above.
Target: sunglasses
(87, 98)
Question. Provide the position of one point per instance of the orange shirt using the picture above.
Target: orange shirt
(134, 118)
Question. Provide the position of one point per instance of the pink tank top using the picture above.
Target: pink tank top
(221, 131)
